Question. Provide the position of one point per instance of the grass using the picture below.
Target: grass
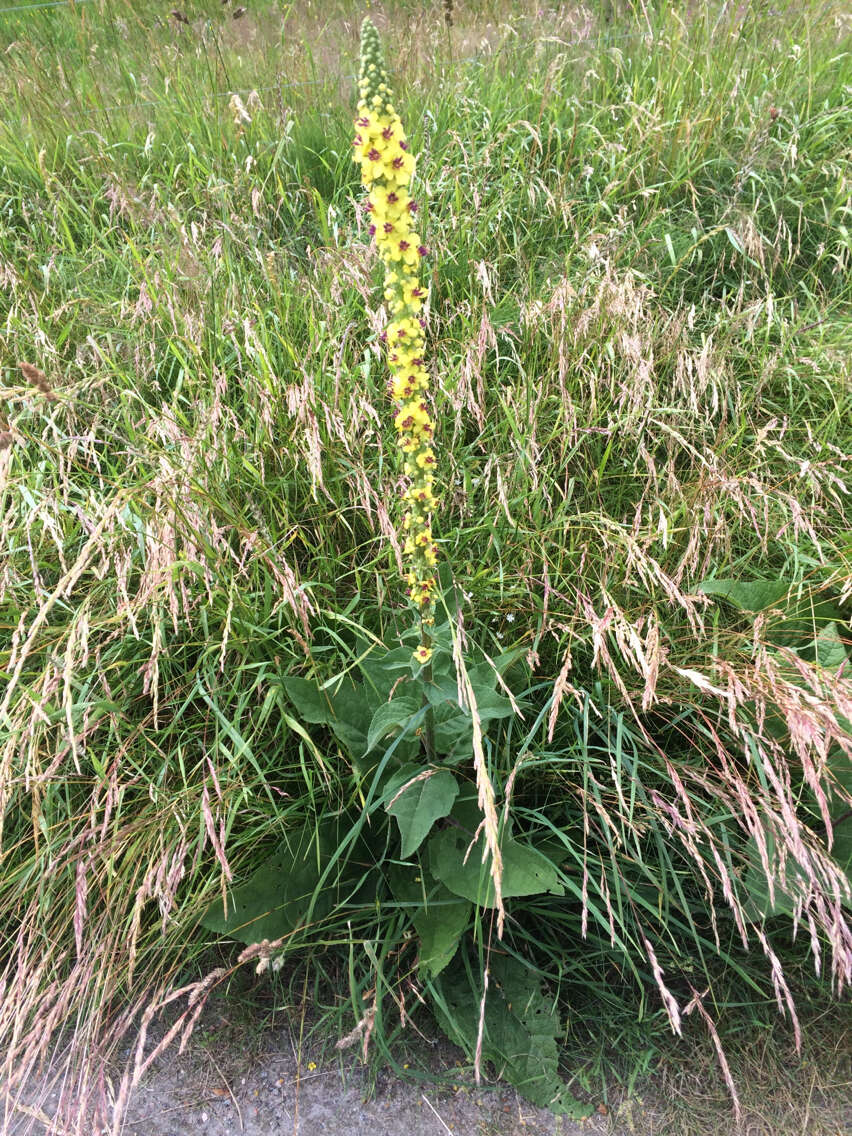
(641, 326)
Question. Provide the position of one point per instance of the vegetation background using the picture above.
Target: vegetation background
(639, 218)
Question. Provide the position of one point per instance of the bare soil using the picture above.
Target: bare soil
(235, 1080)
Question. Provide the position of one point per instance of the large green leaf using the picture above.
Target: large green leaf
(439, 917)
(440, 927)
(346, 708)
(830, 648)
(841, 811)
(841, 849)
(520, 1030)
(382, 669)
(525, 870)
(452, 731)
(452, 724)
(443, 691)
(759, 904)
(314, 705)
(805, 616)
(391, 717)
(420, 804)
(490, 705)
(277, 897)
(748, 595)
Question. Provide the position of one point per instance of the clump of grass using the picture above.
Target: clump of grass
(642, 320)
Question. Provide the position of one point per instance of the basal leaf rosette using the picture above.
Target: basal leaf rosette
(387, 167)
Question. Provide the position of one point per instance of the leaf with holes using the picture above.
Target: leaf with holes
(520, 1028)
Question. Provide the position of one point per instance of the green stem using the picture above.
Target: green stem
(429, 719)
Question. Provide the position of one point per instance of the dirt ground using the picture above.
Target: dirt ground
(217, 1090)
(235, 1081)
(273, 1099)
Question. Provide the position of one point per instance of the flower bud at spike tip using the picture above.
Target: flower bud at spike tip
(387, 167)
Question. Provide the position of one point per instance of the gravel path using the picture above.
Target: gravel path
(229, 1083)
(235, 1081)
(203, 1093)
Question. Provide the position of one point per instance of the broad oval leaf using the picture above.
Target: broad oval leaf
(439, 917)
(517, 1029)
(390, 717)
(525, 870)
(748, 595)
(422, 802)
(440, 927)
(830, 648)
(347, 709)
(276, 898)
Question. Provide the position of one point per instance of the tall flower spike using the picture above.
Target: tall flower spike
(387, 167)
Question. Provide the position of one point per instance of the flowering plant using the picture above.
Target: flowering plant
(384, 713)
(387, 167)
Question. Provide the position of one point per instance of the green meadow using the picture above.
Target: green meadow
(605, 834)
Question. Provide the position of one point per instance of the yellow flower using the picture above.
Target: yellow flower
(412, 416)
(401, 165)
(372, 161)
(401, 387)
(412, 294)
(387, 167)
(423, 654)
(398, 203)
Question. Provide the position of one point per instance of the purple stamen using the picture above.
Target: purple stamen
(403, 145)
(422, 250)
(388, 227)
(412, 207)
(372, 230)
(374, 155)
